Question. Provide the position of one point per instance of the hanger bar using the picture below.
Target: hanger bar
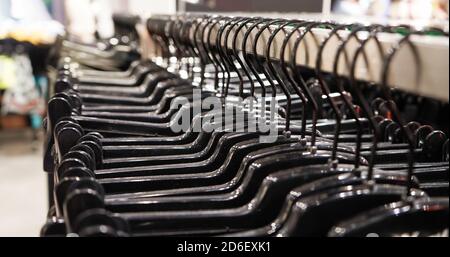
(433, 52)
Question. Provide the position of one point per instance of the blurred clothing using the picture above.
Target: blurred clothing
(85, 18)
(29, 10)
(395, 9)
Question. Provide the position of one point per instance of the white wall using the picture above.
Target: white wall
(146, 7)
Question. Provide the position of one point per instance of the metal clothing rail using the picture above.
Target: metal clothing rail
(433, 53)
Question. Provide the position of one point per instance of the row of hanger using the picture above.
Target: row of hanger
(341, 164)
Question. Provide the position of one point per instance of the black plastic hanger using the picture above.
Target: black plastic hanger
(427, 217)
(370, 194)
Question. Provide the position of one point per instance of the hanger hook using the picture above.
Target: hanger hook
(223, 61)
(391, 104)
(250, 64)
(301, 81)
(364, 104)
(255, 51)
(208, 59)
(216, 62)
(289, 78)
(223, 48)
(342, 49)
(199, 21)
(275, 75)
(325, 88)
(236, 55)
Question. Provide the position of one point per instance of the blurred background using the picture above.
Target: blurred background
(28, 28)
